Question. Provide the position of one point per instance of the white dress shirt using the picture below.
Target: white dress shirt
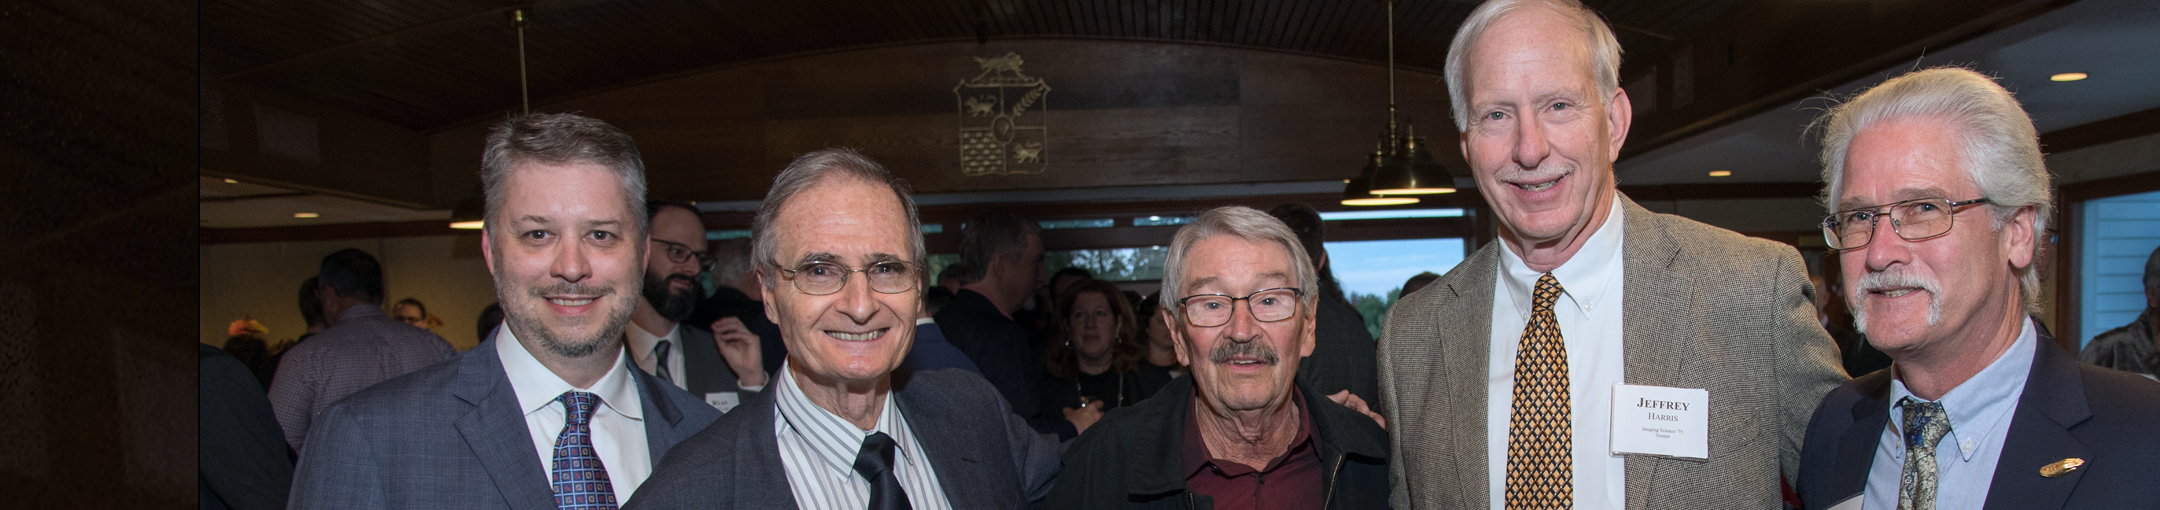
(644, 346)
(1588, 312)
(818, 448)
(1979, 410)
(618, 427)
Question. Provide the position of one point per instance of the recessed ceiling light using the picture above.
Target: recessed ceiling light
(305, 215)
(2067, 77)
(1721, 173)
(232, 181)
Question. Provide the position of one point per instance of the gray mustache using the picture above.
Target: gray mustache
(1226, 350)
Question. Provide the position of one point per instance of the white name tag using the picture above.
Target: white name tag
(724, 400)
(1661, 421)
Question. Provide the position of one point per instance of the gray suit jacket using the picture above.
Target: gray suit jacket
(451, 436)
(985, 457)
(1704, 308)
(704, 371)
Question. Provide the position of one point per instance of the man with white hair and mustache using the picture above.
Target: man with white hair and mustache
(1242, 432)
(1939, 202)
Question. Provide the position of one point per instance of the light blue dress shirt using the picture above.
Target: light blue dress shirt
(1979, 410)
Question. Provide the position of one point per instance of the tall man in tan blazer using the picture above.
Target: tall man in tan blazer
(1503, 380)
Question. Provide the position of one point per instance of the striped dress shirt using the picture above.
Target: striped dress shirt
(818, 448)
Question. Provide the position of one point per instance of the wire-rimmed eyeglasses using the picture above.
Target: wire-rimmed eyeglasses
(821, 278)
(1913, 220)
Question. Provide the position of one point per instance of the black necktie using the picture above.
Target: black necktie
(660, 367)
(874, 462)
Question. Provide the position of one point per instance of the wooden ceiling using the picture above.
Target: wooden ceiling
(430, 64)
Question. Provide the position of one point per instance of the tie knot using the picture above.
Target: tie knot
(876, 456)
(1925, 423)
(579, 406)
(1547, 291)
(660, 351)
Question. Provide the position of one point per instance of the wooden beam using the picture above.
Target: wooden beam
(2101, 132)
(2112, 186)
(331, 232)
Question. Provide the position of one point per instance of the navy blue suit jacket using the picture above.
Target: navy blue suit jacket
(985, 457)
(932, 352)
(451, 436)
(2069, 410)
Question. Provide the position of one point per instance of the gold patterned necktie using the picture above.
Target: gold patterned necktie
(1925, 425)
(1540, 458)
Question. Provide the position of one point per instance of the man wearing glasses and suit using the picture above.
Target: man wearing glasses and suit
(1939, 203)
(683, 354)
(839, 251)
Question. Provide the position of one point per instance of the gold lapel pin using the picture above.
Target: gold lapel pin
(2061, 467)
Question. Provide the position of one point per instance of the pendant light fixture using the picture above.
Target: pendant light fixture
(1358, 190)
(1407, 167)
(470, 213)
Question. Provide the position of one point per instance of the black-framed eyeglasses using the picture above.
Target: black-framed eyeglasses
(680, 253)
(1267, 305)
(821, 278)
(1913, 220)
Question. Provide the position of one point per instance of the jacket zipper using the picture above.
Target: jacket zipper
(1329, 500)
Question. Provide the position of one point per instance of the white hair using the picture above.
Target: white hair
(1995, 143)
(1245, 223)
(1604, 48)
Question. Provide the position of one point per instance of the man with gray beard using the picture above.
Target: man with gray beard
(717, 365)
(550, 413)
(1939, 202)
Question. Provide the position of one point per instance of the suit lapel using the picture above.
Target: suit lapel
(1856, 447)
(661, 415)
(2042, 431)
(758, 470)
(1468, 367)
(955, 450)
(495, 430)
(1654, 334)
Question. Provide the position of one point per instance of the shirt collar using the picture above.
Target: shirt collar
(1584, 278)
(830, 437)
(536, 386)
(641, 342)
(1978, 407)
(1198, 457)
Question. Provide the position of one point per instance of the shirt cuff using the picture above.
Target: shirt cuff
(752, 389)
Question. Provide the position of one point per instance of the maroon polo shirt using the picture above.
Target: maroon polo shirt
(1290, 481)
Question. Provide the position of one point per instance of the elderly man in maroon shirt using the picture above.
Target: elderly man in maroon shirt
(1240, 432)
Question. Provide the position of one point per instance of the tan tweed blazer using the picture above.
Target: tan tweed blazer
(1704, 308)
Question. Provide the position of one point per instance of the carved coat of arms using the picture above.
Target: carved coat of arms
(1002, 116)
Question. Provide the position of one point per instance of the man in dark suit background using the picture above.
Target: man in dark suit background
(1003, 253)
(242, 460)
(838, 428)
(550, 413)
(1343, 353)
(1940, 201)
(661, 343)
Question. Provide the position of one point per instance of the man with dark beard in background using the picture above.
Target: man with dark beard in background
(683, 354)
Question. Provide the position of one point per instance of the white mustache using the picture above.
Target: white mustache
(1871, 282)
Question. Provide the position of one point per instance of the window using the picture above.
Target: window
(1156, 221)
(1372, 273)
(2119, 233)
(1088, 223)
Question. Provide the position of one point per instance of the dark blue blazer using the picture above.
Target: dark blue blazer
(451, 436)
(985, 457)
(2069, 410)
(932, 352)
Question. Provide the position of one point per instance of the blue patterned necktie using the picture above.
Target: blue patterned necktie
(581, 482)
(1925, 425)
